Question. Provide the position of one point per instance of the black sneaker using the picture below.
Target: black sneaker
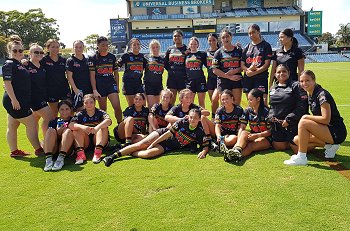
(237, 154)
(213, 146)
(109, 160)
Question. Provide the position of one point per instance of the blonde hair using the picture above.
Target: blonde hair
(33, 46)
(166, 91)
(78, 41)
(89, 96)
(14, 40)
(154, 41)
(50, 41)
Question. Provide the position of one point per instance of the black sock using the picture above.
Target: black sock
(118, 153)
(62, 153)
(48, 154)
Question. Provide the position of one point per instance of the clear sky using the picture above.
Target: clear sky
(80, 18)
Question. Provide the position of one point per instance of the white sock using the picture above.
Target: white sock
(302, 155)
(327, 146)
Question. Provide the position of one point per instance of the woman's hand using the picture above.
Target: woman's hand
(253, 136)
(96, 94)
(15, 104)
(202, 155)
(285, 124)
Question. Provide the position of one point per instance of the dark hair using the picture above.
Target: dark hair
(13, 40)
(66, 102)
(196, 110)
(309, 73)
(227, 92)
(259, 94)
(131, 41)
(89, 96)
(290, 34)
(178, 32)
(101, 39)
(255, 27)
(140, 94)
(284, 66)
(225, 30)
(215, 36)
(50, 41)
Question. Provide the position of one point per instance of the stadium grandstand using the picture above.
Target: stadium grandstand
(157, 19)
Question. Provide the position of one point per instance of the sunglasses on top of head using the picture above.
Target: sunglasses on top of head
(19, 50)
(38, 52)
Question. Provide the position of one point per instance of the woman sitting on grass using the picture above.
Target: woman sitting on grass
(134, 126)
(324, 128)
(59, 137)
(259, 138)
(156, 117)
(90, 126)
(227, 119)
(181, 134)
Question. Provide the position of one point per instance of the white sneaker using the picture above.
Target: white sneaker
(330, 151)
(48, 164)
(296, 160)
(58, 163)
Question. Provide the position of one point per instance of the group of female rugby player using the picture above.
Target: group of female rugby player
(63, 92)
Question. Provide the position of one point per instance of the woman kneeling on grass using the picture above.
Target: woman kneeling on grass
(227, 119)
(259, 138)
(59, 137)
(90, 126)
(181, 134)
(134, 126)
(156, 117)
(325, 128)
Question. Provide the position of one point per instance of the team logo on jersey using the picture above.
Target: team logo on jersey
(84, 119)
(131, 58)
(181, 114)
(272, 92)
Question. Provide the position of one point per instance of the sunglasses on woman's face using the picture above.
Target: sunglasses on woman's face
(38, 52)
(19, 50)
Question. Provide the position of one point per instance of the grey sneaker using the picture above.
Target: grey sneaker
(48, 164)
(58, 163)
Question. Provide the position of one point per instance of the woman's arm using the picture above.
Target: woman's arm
(93, 84)
(301, 66)
(259, 70)
(324, 118)
(151, 121)
(71, 82)
(171, 119)
(272, 74)
(11, 94)
(104, 124)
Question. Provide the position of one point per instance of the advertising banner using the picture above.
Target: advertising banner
(314, 23)
(118, 30)
(166, 3)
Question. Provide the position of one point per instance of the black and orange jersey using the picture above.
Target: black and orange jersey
(227, 60)
(92, 121)
(183, 135)
(229, 121)
(154, 69)
(159, 114)
(257, 123)
(257, 54)
(210, 57)
(134, 66)
(194, 64)
(177, 110)
(55, 73)
(175, 61)
(140, 117)
(104, 66)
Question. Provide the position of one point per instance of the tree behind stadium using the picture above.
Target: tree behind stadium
(31, 26)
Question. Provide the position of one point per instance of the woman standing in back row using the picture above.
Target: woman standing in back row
(256, 62)
(57, 84)
(290, 55)
(175, 65)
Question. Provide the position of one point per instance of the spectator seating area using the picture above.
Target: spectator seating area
(243, 39)
(326, 57)
(233, 13)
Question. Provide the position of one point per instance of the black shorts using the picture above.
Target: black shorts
(280, 134)
(228, 84)
(116, 136)
(250, 83)
(176, 82)
(153, 89)
(56, 94)
(131, 88)
(16, 114)
(197, 85)
(38, 104)
(212, 83)
(338, 132)
(106, 86)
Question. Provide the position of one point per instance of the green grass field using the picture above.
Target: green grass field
(179, 192)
